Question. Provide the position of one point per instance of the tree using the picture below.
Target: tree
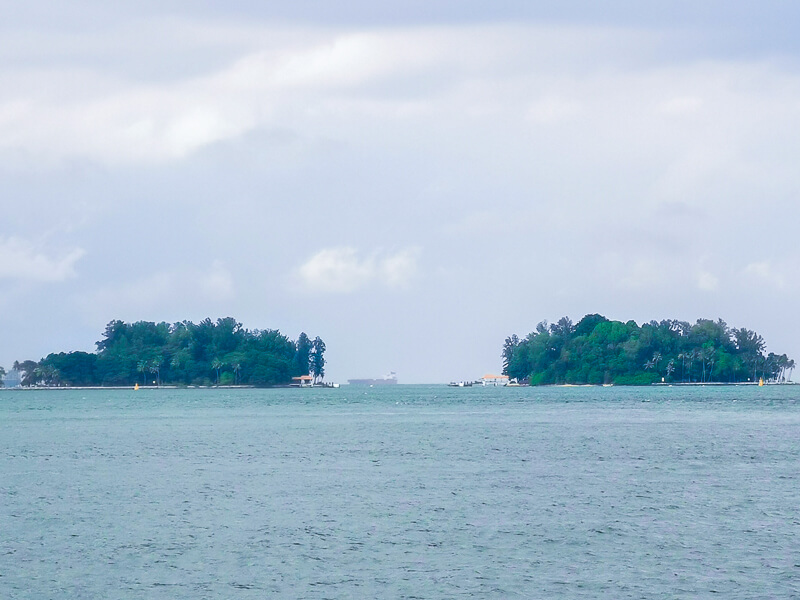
(588, 323)
(508, 351)
(563, 327)
(656, 359)
(74, 368)
(28, 372)
(237, 368)
(182, 353)
(597, 350)
(217, 364)
(317, 359)
(710, 355)
(155, 368)
(670, 368)
(302, 355)
(750, 345)
(142, 367)
(691, 356)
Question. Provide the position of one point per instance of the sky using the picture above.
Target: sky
(411, 181)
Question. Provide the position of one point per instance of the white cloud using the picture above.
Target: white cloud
(342, 270)
(408, 82)
(160, 292)
(765, 272)
(20, 259)
(707, 281)
(659, 272)
(397, 270)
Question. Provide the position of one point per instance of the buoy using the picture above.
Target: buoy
(136, 387)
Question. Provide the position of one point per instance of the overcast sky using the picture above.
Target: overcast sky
(411, 181)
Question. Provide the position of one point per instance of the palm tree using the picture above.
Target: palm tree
(217, 364)
(53, 376)
(142, 367)
(691, 356)
(704, 355)
(174, 365)
(712, 358)
(656, 359)
(155, 368)
(670, 367)
(236, 368)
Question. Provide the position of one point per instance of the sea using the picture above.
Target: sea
(401, 492)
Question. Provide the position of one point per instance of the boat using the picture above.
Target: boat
(460, 384)
(390, 379)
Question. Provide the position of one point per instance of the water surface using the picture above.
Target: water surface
(401, 492)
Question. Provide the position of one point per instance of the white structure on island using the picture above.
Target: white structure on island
(303, 381)
(495, 380)
(12, 379)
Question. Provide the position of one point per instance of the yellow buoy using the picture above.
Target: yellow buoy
(760, 382)
(136, 387)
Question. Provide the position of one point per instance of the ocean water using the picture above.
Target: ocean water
(401, 492)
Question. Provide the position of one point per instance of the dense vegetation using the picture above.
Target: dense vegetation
(221, 353)
(599, 351)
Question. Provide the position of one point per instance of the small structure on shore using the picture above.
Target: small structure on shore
(302, 381)
(12, 379)
(494, 380)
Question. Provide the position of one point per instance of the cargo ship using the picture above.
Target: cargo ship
(390, 379)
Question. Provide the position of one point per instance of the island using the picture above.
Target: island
(599, 351)
(220, 352)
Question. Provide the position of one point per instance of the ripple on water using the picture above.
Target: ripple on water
(412, 492)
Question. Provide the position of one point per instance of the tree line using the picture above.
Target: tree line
(598, 351)
(220, 352)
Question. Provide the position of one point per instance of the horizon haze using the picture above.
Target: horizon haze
(413, 182)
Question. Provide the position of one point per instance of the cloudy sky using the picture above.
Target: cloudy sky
(412, 181)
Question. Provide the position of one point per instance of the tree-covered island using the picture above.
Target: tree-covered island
(207, 353)
(599, 351)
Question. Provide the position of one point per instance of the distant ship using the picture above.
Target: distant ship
(390, 379)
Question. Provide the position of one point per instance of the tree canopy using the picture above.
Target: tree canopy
(218, 352)
(599, 351)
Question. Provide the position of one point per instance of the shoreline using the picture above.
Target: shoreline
(278, 387)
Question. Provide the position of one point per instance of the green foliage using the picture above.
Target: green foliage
(72, 368)
(302, 356)
(598, 351)
(317, 359)
(184, 353)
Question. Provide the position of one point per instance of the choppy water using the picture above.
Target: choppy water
(402, 492)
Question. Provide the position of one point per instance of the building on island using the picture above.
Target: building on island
(495, 380)
(12, 379)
